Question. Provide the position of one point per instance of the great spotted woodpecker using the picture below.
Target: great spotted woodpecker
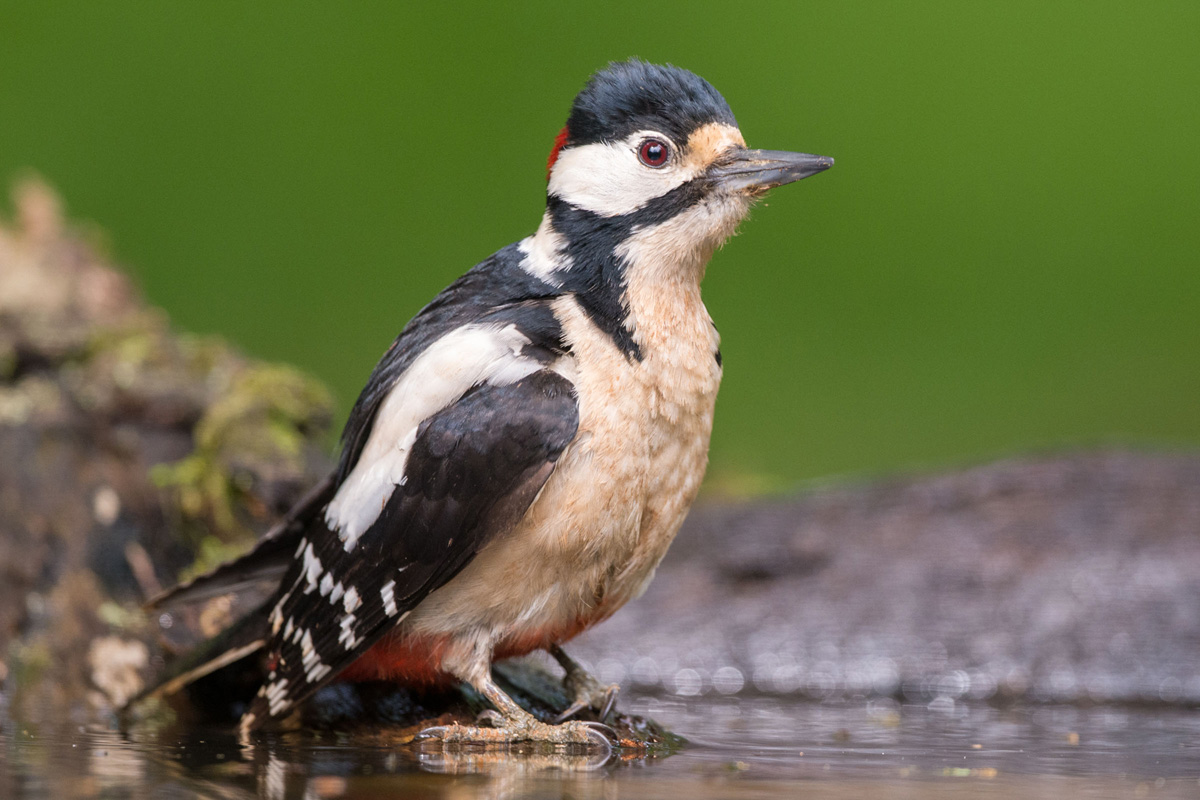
(524, 453)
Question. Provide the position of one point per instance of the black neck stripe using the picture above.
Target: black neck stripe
(598, 274)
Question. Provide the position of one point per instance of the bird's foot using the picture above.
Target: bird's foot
(523, 727)
(588, 693)
(585, 691)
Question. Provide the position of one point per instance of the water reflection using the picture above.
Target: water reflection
(746, 748)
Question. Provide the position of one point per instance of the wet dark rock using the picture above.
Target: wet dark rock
(397, 715)
(1073, 578)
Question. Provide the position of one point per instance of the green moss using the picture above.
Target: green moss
(149, 716)
(211, 553)
(121, 617)
(257, 427)
(27, 662)
(8, 361)
(203, 354)
(268, 411)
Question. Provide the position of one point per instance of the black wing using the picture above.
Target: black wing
(473, 470)
(494, 289)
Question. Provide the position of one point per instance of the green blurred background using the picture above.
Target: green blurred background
(1004, 257)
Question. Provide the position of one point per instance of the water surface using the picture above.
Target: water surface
(740, 749)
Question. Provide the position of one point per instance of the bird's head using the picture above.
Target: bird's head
(655, 152)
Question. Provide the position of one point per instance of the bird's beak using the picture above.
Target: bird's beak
(759, 170)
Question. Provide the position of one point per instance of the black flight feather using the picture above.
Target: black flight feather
(473, 471)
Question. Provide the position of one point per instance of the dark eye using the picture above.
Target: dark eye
(653, 153)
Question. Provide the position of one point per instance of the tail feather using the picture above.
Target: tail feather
(244, 638)
(267, 561)
(253, 580)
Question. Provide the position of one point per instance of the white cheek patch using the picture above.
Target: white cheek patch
(607, 178)
(449, 367)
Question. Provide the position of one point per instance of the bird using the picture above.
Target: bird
(526, 450)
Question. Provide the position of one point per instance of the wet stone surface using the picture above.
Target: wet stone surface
(1071, 580)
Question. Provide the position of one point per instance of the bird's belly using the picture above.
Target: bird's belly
(589, 543)
(593, 537)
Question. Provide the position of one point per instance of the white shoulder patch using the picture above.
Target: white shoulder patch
(449, 367)
(543, 253)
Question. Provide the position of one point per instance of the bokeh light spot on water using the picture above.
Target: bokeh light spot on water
(786, 678)
(942, 704)
(610, 670)
(728, 680)
(688, 682)
(954, 684)
(645, 673)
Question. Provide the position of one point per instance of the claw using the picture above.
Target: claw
(585, 691)
(511, 723)
(435, 732)
(570, 711)
(600, 729)
(588, 700)
(610, 701)
(600, 740)
(490, 716)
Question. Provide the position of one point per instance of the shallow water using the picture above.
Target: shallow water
(753, 748)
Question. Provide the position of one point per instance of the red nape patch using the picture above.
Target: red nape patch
(559, 141)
